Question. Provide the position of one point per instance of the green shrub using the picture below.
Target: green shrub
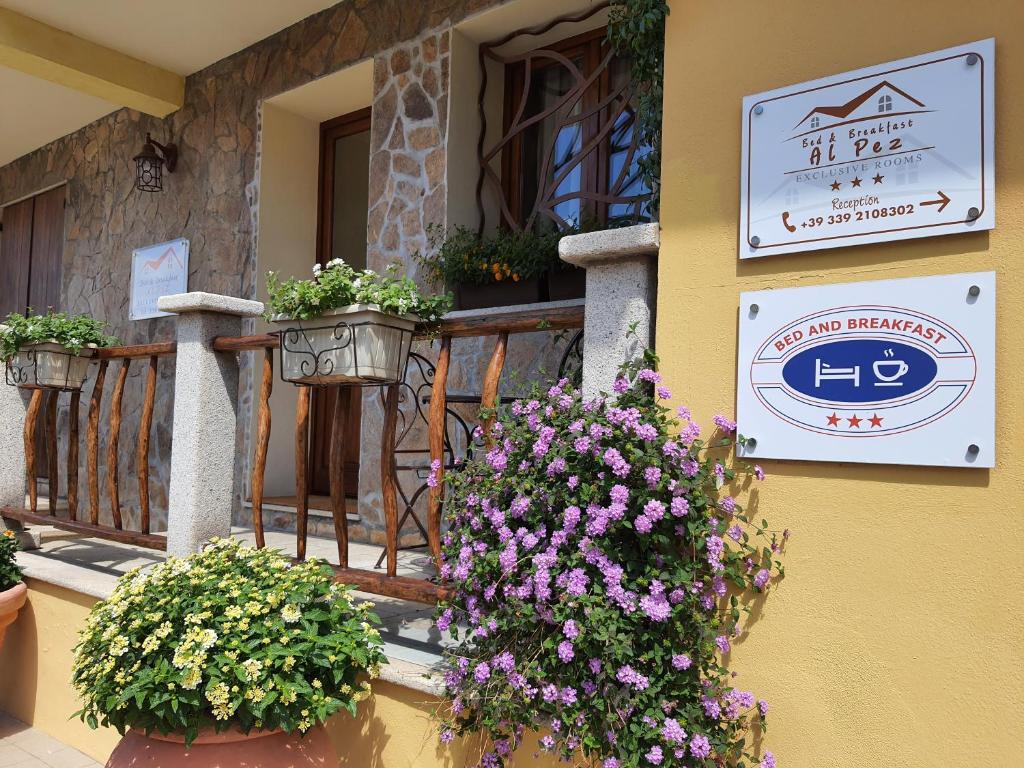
(72, 331)
(10, 573)
(231, 637)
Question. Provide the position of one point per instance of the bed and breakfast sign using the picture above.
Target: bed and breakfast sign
(890, 152)
(885, 372)
(157, 270)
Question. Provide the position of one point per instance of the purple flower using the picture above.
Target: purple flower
(610, 762)
(619, 494)
(700, 747)
(761, 578)
(643, 524)
(758, 472)
(681, 661)
(672, 732)
(648, 375)
(621, 386)
(447, 736)
(735, 533)
(565, 651)
(768, 761)
(762, 707)
(435, 469)
(727, 505)
(595, 665)
(654, 756)
(568, 696)
(482, 672)
(547, 743)
(581, 444)
(725, 424)
(572, 482)
(652, 475)
(680, 507)
(723, 644)
(549, 693)
(504, 662)
(444, 620)
(656, 606)
(576, 582)
(570, 629)
(664, 393)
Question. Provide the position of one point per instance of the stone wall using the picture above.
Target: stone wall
(210, 197)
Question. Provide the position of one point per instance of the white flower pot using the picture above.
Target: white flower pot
(50, 365)
(357, 344)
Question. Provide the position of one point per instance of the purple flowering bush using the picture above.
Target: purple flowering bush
(600, 569)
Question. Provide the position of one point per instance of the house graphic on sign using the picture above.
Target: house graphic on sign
(881, 100)
(167, 262)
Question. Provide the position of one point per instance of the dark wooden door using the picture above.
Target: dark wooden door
(16, 256)
(47, 250)
(31, 249)
(341, 233)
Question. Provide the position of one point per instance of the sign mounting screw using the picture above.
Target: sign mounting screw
(755, 241)
(759, 109)
(974, 290)
(973, 213)
(972, 59)
(754, 309)
(750, 445)
(973, 449)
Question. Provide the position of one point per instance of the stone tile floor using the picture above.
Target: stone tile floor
(25, 747)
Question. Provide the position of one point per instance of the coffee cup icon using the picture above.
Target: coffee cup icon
(888, 378)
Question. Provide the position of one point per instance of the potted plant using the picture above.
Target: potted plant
(346, 326)
(52, 350)
(498, 270)
(229, 657)
(13, 591)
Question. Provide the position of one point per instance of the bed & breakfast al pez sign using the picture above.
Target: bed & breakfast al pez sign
(894, 372)
(896, 151)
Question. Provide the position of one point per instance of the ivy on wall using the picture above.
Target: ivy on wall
(636, 28)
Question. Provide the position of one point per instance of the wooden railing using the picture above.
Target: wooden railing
(43, 404)
(389, 583)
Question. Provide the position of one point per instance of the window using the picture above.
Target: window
(885, 103)
(815, 122)
(570, 147)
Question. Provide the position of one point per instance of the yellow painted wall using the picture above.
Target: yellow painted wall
(897, 637)
(394, 728)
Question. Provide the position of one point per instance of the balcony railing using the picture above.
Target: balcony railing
(500, 325)
(44, 404)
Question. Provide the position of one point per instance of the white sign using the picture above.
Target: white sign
(886, 372)
(157, 270)
(891, 152)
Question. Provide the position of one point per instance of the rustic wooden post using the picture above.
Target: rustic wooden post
(204, 483)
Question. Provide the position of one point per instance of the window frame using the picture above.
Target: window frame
(592, 47)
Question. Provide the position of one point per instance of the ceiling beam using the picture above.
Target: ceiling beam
(49, 53)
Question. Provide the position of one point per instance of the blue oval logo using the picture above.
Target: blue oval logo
(860, 371)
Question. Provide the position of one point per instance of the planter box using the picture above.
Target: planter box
(354, 345)
(49, 365)
(567, 283)
(503, 294)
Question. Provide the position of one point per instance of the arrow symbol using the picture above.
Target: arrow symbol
(942, 202)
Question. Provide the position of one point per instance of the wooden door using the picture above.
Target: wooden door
(47, 250)
(341, 233)
(15, 256)
(31, 249)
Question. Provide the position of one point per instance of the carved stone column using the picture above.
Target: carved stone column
(204, 484)
(622, 270)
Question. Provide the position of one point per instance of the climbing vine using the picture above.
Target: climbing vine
(636, 28)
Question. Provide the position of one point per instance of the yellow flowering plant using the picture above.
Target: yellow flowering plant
(229, 638)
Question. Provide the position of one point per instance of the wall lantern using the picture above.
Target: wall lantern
(150, 162)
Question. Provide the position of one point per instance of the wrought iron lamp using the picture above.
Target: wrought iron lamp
(150, 163)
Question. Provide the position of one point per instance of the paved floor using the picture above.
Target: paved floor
(25, 747)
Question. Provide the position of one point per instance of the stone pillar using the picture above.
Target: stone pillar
(622, 270)
(12, 461)
(204, 483)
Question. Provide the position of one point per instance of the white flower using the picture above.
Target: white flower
(335, 263)
(291, 613)
(316, 270)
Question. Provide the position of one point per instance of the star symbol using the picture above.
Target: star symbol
(833, 420)
(835, 186)
(856, 181)
(876, 420)
(878, 178)
(854, 421)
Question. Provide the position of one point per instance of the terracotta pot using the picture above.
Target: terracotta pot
(230, 749)
(11, 601)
